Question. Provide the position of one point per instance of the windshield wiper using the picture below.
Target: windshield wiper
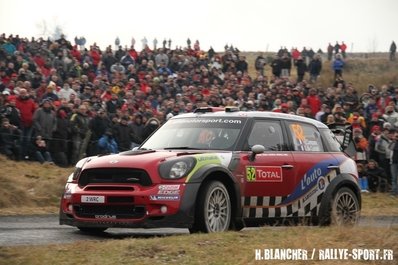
(181, 147)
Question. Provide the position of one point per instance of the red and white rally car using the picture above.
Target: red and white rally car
(213, 171)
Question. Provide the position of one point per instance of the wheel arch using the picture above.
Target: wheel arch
(213, 172)
(342, 180)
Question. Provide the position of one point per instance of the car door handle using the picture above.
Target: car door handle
(333, 167)
(287, 166)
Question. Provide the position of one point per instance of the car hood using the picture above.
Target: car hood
(147, 158)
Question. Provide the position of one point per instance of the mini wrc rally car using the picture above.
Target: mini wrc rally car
(212, 171)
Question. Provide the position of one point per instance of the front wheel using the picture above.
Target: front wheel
(213, 209)
(345, 207)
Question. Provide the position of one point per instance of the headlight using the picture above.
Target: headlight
(176, 169)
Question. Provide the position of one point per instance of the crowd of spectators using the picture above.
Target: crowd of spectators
(60, 102)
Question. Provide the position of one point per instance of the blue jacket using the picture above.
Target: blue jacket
(338, 64)
(107, 145)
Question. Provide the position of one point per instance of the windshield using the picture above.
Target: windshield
(197, 133)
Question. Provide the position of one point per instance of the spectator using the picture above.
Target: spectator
(394, 165)
(314, 102)
(338, 65)
(393, 49)
(382, 150)
(41, 151)
(98, 126)
(9, 140)
(343, 48)
(123, 134)
(81, 133)
(27, 108)
(260, 63)
(330, 51)
(391, 116)
(61, 135)
(315, 68)
(377, 177)
(44, 120)
(10, 111)
(107, 143)
(137, 130)
(65, 92)
(361, 146)
(301, 69)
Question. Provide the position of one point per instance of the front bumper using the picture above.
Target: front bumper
(149, 207)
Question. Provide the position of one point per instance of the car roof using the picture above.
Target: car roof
(253, 114)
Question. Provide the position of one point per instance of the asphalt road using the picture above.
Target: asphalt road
(44, 229)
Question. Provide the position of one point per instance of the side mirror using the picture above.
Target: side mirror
(256, 149)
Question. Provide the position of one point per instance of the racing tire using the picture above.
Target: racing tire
(345, 208)
(92, 230)
(214, 209)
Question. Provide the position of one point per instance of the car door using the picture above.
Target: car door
(314, 167)
(269, 177)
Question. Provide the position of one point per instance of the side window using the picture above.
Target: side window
(267, 133)
(331, 140)
(305, 137)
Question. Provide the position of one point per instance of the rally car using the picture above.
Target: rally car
(212, 171)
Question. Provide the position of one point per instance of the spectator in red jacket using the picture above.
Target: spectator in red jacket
(27, 107)
(314, 101)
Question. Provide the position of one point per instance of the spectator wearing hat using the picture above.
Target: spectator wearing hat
(27, 107)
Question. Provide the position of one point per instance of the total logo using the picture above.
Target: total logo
(264, 174)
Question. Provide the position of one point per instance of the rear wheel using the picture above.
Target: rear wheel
(213, 209)
(92, 230)
(345, 207)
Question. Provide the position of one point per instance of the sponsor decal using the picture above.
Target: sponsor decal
(264, 174)
(104, 216)
(321, 183)
(169, 189)
(164, 197)
(309, 194)
(206, 158)
(310, 180)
